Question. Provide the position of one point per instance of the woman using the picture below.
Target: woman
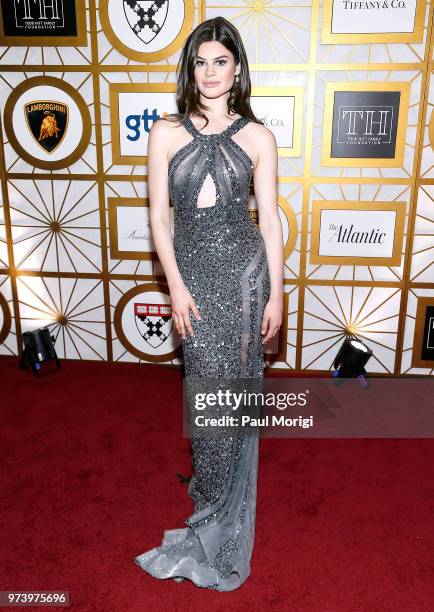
(225, 280)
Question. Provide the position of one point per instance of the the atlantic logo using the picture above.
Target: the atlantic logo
(357, 232)
(342, 233)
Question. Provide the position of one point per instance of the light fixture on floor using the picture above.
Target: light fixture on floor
(38, 347)
(351, 360)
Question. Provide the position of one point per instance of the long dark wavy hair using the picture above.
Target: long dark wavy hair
(187, 93)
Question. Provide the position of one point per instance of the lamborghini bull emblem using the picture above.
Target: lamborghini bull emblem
(48, 122)
(154, 322)
(146, 17)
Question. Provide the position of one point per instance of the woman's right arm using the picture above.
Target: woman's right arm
(158, 194)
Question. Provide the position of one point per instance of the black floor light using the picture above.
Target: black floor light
(351, 360)
(38, 347)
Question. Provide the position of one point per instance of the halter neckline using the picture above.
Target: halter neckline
(190, 122)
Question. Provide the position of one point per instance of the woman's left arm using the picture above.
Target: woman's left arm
(270, 226)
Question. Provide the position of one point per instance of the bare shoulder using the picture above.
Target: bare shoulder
(261, 141)
(162, 135)
(262, 134)
(162, 126)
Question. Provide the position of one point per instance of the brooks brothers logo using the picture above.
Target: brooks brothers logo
(146, 19)
(48, 122)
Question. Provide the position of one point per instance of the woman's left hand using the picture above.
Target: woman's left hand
(272, 319)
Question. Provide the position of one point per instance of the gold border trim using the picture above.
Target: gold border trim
(26, 85)
(365, 162)
(114, 90)
(51, 41)
(293, 229)
(319, 205)
(143, 56)
(7, 319)
(297, 92)
(117, 322)
(416, 361)
(113, 204)
(327, 36)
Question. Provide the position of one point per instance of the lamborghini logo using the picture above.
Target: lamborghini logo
(48, 122)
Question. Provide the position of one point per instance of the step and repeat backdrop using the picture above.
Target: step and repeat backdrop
(346, 87)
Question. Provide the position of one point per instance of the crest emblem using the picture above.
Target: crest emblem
(146, 17)
(154, 322)
(48, 122)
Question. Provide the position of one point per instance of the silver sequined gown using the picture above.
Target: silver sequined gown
(222, 259)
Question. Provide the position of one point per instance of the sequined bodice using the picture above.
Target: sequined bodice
(229, 168)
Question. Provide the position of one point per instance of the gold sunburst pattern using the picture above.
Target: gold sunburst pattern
(408, 343)
(427, 152)
(55, 225)
(273, 33)
(331, 313)
(422, 261)
(73, 310)
(63, 264)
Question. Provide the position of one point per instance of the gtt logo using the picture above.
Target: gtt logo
(136, 123)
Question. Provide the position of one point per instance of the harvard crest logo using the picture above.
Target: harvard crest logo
(146, 17)
(48, 122)
(154, 322)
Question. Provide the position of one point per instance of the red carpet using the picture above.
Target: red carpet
(89, 459)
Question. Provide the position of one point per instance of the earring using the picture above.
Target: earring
(237, 78)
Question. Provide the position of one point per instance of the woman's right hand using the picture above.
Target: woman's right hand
(181, 301)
